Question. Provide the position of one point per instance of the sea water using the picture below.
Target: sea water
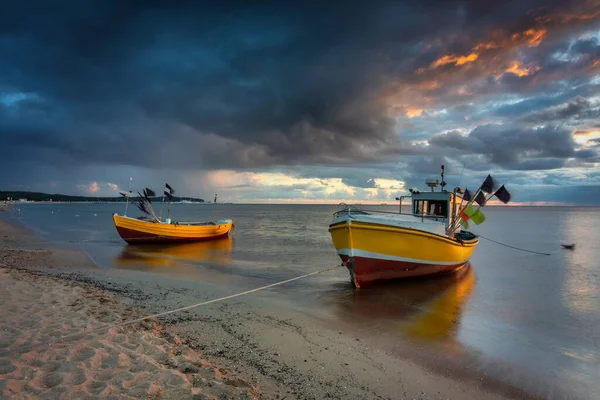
(528, 319)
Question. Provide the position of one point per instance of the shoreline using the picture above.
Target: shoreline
(279, 353)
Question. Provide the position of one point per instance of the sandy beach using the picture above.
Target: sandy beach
(138, 361)
(237, 349)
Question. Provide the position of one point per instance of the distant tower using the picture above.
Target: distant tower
(215, 198)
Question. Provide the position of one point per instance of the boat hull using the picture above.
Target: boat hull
(134, 231)
(376, 252)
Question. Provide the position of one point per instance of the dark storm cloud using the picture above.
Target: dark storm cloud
(547, 98)
(294, 84)
(578, 109)
(192, 85)
(514, 148)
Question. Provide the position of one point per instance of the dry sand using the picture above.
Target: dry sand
(267, 352)
(127, 362)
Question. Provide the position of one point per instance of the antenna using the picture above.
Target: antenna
(443, 183)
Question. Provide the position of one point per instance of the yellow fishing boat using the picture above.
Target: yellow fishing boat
(377, 245)
(151, 229)
(134, 230)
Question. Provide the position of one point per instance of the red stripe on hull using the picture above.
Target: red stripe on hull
(131, 236)
(364, 271)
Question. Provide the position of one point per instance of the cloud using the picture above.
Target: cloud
(183, 89)
(523, 149)
(578, 109)
(89, 189)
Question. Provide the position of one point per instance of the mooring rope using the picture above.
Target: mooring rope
(133, 321)
(513, 247)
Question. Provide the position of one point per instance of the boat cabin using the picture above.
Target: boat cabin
(439, 206)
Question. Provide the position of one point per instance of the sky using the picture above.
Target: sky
(317, 102)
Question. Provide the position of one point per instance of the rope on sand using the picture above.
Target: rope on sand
(513, 247)
(133, 321)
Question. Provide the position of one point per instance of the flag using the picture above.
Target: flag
(468, 195)
(480, 198)
(478, 217)
(149, 193)
(466, 212)
(169, 191)
(488, 185)
(502, 194)
(464, 224)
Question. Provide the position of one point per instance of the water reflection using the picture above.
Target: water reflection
(425, 309)
(442, 314)
(176, 260)
(581, 290)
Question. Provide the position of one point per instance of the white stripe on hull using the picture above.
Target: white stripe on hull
(379, 256)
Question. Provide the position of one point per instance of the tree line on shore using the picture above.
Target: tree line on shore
(35, 196)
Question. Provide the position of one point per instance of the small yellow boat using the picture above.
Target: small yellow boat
(134, 230)
(377, 245)
(151, 229)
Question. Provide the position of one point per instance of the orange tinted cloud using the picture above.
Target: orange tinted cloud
(583, 137)
(413, 112)
(517, 68)
(586, 133)
(429, 85)
(533, 36)
(486, 46)
(454, 59)
(580, 17)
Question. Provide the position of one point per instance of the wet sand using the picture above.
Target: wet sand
(243, 348)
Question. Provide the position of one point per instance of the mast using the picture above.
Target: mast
(169, 192)
(127, 197)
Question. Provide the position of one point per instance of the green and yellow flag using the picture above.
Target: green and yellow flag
(478, 217)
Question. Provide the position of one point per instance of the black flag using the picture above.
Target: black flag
(468, 195)
(169, 191)
(488, 185)
(149, 193)
(480, 198)
(502, 194)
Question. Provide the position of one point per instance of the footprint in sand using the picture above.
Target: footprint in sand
(105, 375)
(82, 354)
(110, 362)
(50, 367)
(51, 380)
(97, 386)
(77, 377)
(6, 367)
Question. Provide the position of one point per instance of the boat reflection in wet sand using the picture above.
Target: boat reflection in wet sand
(424, 308)
(442, 314)
(176, 259)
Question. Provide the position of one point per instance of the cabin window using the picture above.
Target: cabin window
(438, 208)
(420, 205)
